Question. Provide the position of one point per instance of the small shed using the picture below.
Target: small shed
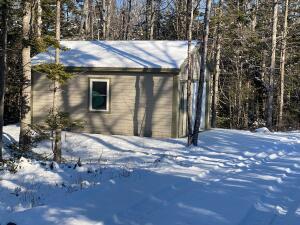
(122, 87)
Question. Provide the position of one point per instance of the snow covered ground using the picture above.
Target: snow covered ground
(233, 177)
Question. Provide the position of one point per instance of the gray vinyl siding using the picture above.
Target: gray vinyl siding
(140, 103)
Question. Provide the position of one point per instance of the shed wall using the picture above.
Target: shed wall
(140, 103)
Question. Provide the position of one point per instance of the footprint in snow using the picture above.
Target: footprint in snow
(262, 155)
(281, 210)
(249, 153)
(296, 166)
(279, 180)
(297, 212)
(199, 176)
(273, 156)
(273, 188)
(281, 153)
(288, 170)
(242, 165)
(241, 158)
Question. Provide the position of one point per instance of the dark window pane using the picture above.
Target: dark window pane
(99, 102)
(99, 92)
(100, 87)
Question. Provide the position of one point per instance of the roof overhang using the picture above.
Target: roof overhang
(124, 70)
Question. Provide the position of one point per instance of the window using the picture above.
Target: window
(99, 95)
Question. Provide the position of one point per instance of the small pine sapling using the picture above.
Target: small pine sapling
(56, 120)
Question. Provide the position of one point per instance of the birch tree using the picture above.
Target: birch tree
(272, 67)
(39, 19)
(282, 63)
(84, 19)
(107, 6)
(153, 17)
(109, 17)
(91, 19)
(203, 72)
(57, 142)
(24, 138)
(148, 17)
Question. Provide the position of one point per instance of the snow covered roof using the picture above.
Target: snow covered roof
(119, 54)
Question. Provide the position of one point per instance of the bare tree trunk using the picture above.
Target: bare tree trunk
(39, 19)
(263, 71)
(57, 146)
(108, 19)
(84, 19)
(215, 99)
(107, 14)
(91, 19)
(263, 78)
(157, 20)
(254, 19)
(230, 112)
(123, 28)
(57, 140)
(282, 63)
(246, 111)
(272, 67)
(3, 71)
(24, 138)
(203, 72)
(100, 23)
(189, 16)
(235, 119)
(208, 101)
(104, 10)
(57, 29)
(211, 55)
(239, 93)
(181, 32)
(148, 17)
(152, 18)
(128, 19)
(177, 19)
